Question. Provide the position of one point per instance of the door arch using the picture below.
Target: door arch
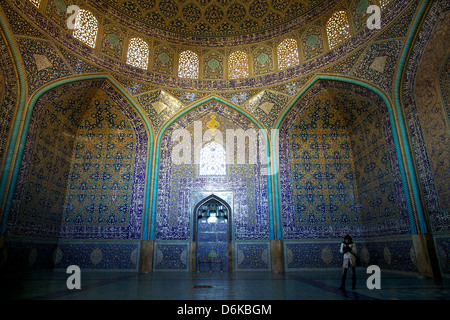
(212, 236)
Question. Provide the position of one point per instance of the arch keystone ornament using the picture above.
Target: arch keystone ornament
(213, 123)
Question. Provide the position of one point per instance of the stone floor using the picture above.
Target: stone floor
(304, 285)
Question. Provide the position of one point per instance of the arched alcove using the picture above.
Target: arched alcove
(179, 185)
(212, 234)
(83, 173)
(339, 170)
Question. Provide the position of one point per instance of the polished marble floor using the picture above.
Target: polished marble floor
(304, 285)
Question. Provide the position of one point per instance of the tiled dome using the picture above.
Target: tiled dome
(209, 18)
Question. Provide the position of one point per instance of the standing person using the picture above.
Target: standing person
(348, 249)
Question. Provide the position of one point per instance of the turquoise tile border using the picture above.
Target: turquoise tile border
(395, 134)
(158, 148)
(401, 121)
(17, 122)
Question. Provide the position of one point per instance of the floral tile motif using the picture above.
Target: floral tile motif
(422, 86)
(77, 169)
(97, 256)
(252, 256)
(171, 256)
(340, 173)
(18, 24)
(177, 182)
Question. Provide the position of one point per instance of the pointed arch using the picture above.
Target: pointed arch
(209, 198)
(396, 137)
(24, 133)
(158, 155)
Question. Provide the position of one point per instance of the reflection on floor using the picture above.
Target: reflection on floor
(304, 285)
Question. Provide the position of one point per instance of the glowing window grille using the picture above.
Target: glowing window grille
(213, 160)
(86, 28)
(384, 3)
(188, 65)
(238, 65)
(338, 29)
(138, 53)
(37, 3)
(287, 54)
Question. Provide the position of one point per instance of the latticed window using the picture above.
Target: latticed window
(384, 3)
(213, 160)
(238, 65)
(138, 53)
(86, 28)
(37, 3)
(188, 65)
(287, 53)
(338, 29)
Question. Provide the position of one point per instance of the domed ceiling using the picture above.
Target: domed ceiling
(212, 18)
